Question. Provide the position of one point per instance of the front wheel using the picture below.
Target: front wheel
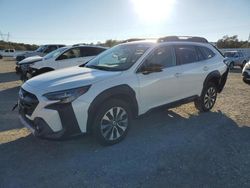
(207, 99)
(112, 122)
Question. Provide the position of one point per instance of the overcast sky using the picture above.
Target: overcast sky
(76, 21)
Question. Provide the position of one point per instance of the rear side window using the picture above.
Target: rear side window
(186, 54)
(90, 51)
(207, 53)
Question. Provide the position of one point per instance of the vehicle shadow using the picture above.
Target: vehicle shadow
(162, 148)
(9, 77)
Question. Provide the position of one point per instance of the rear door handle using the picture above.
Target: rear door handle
(205, 68)
(177, 74)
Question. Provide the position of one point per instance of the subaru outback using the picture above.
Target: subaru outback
(120, 84)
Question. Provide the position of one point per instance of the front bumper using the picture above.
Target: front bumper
(52, 121)
(40, 128)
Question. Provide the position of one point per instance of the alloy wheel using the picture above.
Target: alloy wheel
(114, 123)
(210, 97)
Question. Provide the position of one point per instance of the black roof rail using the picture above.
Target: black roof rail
(133, 40)
(80, 44)
(182, 38)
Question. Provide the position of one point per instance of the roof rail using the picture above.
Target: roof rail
(80, 44)
(182, 38)
(133, 40)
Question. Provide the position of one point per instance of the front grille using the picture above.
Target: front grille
(27, 102)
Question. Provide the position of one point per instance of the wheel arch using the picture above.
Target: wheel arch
(120, 92)
(45, 69)
(214, 77)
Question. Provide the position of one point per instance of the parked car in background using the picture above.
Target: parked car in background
(120, 84)
(41, 51)
(1, 56)
(25, 63)
(246, 73)
(8, 53)
(235, 58)
(62, 58)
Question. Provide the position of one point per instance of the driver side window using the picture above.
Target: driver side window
(162, 57)
(72, 53)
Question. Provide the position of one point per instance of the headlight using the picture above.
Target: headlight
(25, 67)
(67, 96)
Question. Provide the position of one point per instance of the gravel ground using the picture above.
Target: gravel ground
(178, 147)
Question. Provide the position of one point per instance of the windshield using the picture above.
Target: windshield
(40, 49)
(55, 53)
(118, 58)
(229, 54)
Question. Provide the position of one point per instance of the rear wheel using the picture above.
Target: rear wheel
(112, 122)
(207, 99)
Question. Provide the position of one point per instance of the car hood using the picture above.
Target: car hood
(30, 60)
(69, 78)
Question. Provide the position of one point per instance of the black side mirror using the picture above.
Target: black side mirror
(150, 68)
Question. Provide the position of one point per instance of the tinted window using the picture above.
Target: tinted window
(71, 53)
(200, 54)
(50, 49)
(90, 51)
(186, 54)
(162, 57)
(207, 53)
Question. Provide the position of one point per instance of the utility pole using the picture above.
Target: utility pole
(5, 36)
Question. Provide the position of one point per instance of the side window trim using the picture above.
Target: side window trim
(152, 51)
(196, 52)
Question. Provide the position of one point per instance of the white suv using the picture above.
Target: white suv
(120, 84)
(62, 58)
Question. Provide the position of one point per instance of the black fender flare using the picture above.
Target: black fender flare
(45, 69)
(42, 70)
(215, 75)
(122, 92)
(217, 78)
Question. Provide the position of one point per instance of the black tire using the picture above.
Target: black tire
(231, 66)
(207, 99)
(246, 81)
(105, 129)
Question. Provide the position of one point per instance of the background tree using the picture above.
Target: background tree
(232, 42)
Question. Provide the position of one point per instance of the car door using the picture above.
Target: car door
(69, 58)
(161, 85)
(194, 67)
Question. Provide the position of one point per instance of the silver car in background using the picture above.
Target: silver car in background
(235, 58)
